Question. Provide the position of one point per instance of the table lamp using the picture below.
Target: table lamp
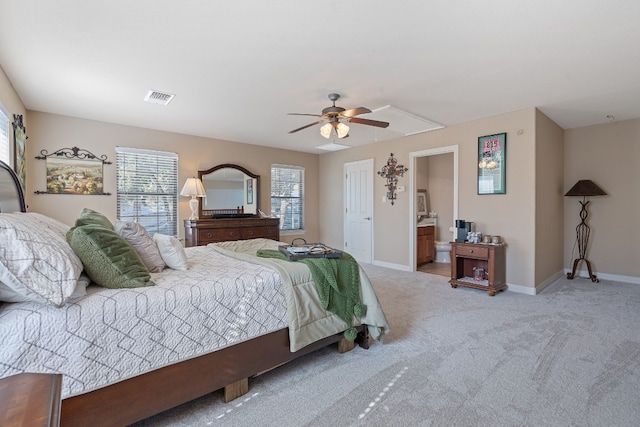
(194, 188)
(584, 188)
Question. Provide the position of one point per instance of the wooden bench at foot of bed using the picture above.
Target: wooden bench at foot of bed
(137, 398)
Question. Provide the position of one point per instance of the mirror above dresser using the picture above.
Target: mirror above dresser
(232, 192)
(231, 209)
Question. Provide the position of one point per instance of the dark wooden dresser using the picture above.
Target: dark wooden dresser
(204, 231)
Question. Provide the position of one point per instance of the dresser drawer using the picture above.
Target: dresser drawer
(212, 235)
(255, 232)
(472, 251)
(205, 231)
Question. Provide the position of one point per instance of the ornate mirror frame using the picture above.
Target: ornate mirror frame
(254, 194)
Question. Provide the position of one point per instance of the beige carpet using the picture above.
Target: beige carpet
(569, 356)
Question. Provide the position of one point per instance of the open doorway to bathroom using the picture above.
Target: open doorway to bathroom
(436, 171)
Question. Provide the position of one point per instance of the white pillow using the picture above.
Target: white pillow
(81, 287)
(58, 227)
(144, 245)
(36, 262)
(171, 251)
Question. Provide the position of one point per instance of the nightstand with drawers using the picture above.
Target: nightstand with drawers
(466, 258)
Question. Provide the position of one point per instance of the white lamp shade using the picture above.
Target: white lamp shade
(194, 188)
(342, 130)
(325, 130)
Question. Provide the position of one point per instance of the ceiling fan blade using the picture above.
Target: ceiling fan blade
(306, 126)
(368, 122)
(355, 112)
(304, 114)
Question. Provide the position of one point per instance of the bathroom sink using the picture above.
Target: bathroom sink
(426, 222)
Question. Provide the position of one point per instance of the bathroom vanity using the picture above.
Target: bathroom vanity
(426, 241)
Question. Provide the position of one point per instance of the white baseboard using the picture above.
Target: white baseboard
(549, 281)
(519, 289)
(392, 265)
(528, 290)
(606, 276)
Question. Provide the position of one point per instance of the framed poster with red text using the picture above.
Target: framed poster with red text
(491, 164)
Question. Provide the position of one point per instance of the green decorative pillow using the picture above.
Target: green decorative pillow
(89, 216)
(108, 259)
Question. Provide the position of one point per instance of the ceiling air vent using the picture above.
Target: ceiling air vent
(157, 97)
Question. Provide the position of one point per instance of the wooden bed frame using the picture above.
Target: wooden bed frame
(145, 395)
(140, 397)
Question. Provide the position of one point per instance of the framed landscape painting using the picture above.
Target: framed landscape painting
(74, 176)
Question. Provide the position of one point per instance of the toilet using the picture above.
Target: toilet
(443, 252)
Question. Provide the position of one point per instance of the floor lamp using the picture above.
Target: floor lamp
(584, 188)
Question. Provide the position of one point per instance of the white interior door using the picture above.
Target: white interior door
(359, 210)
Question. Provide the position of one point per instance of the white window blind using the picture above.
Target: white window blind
(5, 128)
(147, 193)
(287, 196)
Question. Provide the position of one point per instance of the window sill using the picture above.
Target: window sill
(292, 232)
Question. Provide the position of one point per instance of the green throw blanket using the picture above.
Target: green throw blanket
(337, 281)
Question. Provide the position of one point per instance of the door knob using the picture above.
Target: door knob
(368, 218)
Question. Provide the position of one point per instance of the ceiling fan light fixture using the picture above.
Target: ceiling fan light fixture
(325, 130)
(332, 117)
(342, 130)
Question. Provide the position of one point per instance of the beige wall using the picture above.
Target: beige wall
(13, 105)
(52, 132)
(534, 217)
(511, 216)
(609, 155)
(440, 187)
(549, 224)
(543, 162)
(422, 174)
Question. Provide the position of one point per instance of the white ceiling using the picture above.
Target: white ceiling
(238, 67)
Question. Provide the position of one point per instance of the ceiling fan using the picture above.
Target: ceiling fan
(333, 118)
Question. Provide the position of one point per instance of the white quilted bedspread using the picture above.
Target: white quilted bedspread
(114, 334)
(308, 320)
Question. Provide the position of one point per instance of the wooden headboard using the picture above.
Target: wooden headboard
(11, 195)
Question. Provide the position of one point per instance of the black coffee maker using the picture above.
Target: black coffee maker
(462, 227)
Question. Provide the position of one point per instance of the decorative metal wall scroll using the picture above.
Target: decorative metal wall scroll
(74, 171)
(20, 150)
(391, 171)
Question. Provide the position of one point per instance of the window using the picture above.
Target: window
(147, 183)
(5, 128)
(287, 196)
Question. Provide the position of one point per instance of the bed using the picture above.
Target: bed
(129, 353)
